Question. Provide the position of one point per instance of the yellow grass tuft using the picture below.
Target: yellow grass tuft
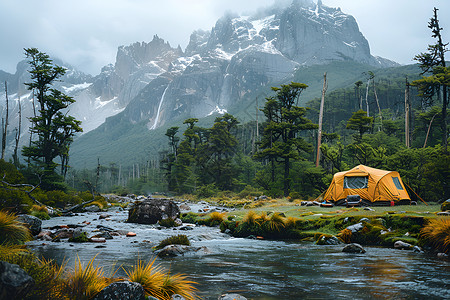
(159, 284)
(149, 276)
(437, 234)
(345, 235)
(251, 218)
(216, 217)
(290, 222)
(179, 284)
(11, 230)
(40, 208)
(83, 282)
(276, 222)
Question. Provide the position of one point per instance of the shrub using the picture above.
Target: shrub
(189, 217)
(436, 233)
(169, 222)
(41, 215)
(207, 191)
(249, 191)
(180, 239)
(11, 230)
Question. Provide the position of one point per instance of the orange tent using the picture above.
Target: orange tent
(374, 186)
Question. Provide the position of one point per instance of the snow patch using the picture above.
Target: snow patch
(76, 87)
(219, 110)
(352, 44)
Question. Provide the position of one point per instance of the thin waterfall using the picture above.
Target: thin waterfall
(159, 109)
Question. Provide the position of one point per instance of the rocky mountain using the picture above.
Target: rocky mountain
(220, 69)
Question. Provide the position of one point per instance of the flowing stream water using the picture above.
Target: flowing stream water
(260, 269)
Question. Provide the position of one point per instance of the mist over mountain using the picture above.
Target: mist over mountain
(155, 84)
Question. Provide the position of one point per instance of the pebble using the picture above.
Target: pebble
(131, 234)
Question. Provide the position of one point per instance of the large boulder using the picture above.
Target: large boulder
(15, 283)
(33, 223)
(122, 290)
(153, 210)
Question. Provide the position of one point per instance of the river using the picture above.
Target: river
(261, 269)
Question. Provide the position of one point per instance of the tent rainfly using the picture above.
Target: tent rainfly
(374, 186)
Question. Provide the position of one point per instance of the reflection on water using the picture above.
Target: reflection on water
(266, 269)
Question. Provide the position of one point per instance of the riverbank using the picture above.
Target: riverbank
(267, 268)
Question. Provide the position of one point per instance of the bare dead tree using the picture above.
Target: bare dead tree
(17, 137)
(5, 122)
(319, 135)
(407, 113)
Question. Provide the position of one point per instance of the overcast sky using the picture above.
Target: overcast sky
(86, 33)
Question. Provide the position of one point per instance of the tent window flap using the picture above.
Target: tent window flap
(357, 182)
(397, 183)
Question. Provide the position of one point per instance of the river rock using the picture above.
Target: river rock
(443, 213)
(104, 234)
(353, 248)
(177, 297)
(331, 240)
(15, 283)
(122, 290)
(231, 297)
(33, 223)
(92, 208)
(441, 255)
(402, 245)
(356, 227)
(445, 205)
(151, 211)
(103, 216)
(184, 207)
(177, 250)
(63, 233)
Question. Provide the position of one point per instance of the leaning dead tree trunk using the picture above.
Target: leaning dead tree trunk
(319, 135)
(91, 188)
(5, 123)
(428, 131)
(75, 207)
(20, 187)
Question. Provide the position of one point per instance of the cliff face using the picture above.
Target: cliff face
(242, 53)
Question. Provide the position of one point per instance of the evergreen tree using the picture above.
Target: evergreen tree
(434, 61)
(53, 127)
(281, 140)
